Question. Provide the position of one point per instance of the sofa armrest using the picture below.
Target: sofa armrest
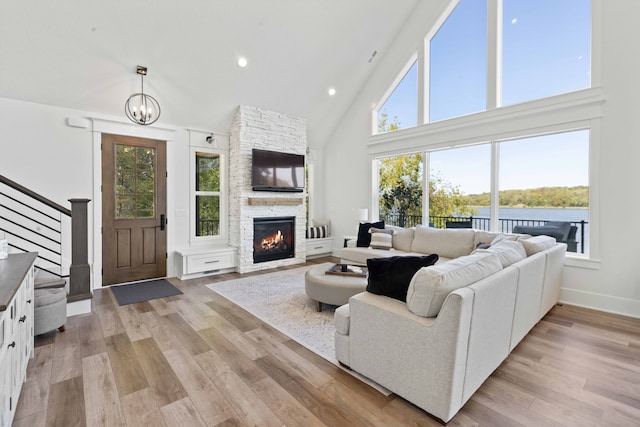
(421, 359)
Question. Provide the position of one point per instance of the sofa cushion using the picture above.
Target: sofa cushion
(431, 285)
(361, 255)
(449, 243)
(364, 237)
(391, 276)
(403, 238)
(380, 239)
(507, 251)
(536, 244)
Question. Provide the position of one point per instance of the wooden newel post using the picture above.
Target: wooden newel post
(79, 271)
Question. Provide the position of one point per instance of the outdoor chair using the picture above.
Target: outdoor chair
(562, 231)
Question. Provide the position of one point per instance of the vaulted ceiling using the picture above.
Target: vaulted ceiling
(82, 54)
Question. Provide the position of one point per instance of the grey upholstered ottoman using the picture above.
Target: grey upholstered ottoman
(49, 310)
(331, 289)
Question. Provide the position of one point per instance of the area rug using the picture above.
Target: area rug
(144, 291)
(279, 299)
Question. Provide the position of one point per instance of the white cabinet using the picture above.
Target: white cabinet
(319, 247)
(196, 262)
(16, 329)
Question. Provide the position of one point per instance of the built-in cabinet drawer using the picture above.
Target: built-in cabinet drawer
(200, 263)
(196, 262)
(16, 329)
(319, 246)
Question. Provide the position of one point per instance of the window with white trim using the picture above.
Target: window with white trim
(489, 54)
(207, 195)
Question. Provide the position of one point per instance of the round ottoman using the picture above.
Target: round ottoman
(49, 310)
(331, 289)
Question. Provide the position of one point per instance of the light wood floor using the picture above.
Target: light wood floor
(197, 359)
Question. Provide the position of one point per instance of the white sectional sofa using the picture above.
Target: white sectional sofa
(461, 319)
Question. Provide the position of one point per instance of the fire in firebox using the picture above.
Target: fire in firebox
(273, 238)
(273, 242)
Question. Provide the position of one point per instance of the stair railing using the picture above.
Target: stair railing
(33, 223)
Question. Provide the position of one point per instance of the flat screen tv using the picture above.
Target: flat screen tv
(277, 171)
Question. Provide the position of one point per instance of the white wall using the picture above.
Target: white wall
(40, 151)
(612, 281)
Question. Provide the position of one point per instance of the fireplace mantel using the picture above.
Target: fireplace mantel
(274, 201)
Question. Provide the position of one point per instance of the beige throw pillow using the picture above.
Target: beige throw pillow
(537, 244)
(402, 239)
(380, 239)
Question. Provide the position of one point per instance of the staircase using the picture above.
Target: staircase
(32, 223)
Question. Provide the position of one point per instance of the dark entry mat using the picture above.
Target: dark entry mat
(143, 291)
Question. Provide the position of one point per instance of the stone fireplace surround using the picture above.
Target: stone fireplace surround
(265, 130)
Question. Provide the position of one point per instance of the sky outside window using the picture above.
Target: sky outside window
(458, 63)
(558, 160)
(401, 107)
(546, 48)
(546, 51)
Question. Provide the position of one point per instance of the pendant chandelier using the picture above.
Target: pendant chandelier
(141, 108)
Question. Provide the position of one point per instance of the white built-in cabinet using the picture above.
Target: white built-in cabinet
(16, 329)
(319, 247)
(196, 262)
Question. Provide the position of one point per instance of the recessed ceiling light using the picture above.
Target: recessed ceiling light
(242, 62)
(332, 91)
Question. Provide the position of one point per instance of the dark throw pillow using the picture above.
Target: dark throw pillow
(391, 276)
(364, 237)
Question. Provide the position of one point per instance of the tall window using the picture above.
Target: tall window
(400, 189)
(546, 48)
(207, 194)
(458, 63)
(400, 110)
(538, 49)
(546, 179)
(453, 175)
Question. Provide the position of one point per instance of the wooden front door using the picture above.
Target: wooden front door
(134, 200)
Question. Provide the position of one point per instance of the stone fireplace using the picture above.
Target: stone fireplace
(273, 238)
(266, 130)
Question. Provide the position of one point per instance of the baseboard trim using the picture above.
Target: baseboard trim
(78, 307)
(600, 302)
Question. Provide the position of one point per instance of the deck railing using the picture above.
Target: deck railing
(505, 225)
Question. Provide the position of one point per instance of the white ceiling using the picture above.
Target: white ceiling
(82, 54)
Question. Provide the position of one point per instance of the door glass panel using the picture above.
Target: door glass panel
(135, 176)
